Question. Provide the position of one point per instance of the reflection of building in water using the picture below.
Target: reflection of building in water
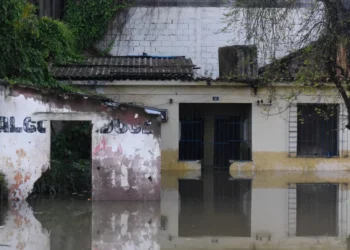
(21, 230)
(266, 210)
(125, 225)
(316, 209)
(218, 201)
(69, 222)
(279, 210)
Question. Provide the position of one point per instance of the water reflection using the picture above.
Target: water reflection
(125, 225)
(215, 200)
(278, 210)
(68, 222)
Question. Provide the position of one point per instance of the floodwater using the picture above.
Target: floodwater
(240, 210)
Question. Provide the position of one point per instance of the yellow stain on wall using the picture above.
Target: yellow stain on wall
(281, 161)
(261, 161)
(170, 162)
(281, 179)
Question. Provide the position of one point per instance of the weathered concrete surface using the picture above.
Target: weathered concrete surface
(130, 150)
(125, 225)
(126, 164)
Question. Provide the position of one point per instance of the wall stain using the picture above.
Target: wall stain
(21, 153)
(281, 161)
(8, 162)
(170, 162)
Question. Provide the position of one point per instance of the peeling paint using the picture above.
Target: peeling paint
(123, 165)
(124, 169)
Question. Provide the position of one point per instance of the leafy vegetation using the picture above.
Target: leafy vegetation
(89, 19)
(70, 170)
(29, 44)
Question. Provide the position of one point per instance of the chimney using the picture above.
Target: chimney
(238, 61)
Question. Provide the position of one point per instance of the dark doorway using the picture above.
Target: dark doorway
(215, 134)
(70, 170)
(317, 209)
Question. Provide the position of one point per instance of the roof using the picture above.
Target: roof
(126, 67)
(306, 61)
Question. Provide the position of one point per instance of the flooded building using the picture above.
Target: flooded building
(125, 151)
(234, 123)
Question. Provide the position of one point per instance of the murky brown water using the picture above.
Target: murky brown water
(267, 210)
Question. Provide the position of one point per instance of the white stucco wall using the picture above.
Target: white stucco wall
(23, 156)
(195, 33)
(25, 146)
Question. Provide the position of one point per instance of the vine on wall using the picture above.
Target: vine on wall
(28, 43)
(89, 19)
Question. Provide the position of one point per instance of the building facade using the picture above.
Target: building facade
(224, 124)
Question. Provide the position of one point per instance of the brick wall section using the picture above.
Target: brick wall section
(178, 31)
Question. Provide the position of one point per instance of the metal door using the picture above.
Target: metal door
(226, 140)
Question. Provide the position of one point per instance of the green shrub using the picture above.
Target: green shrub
(70, 170)
(28, 44)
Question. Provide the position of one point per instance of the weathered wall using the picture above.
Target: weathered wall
(192, 32)
(270, 134)
(125, 161)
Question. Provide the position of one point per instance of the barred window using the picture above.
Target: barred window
(317, 131)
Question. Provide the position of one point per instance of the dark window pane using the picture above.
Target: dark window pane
(317, 130)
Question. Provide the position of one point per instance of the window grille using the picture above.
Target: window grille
(191, 137)
(317, 130)
(215, 133)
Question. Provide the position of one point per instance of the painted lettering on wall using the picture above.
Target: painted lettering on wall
(120, 128)
(8, 125)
